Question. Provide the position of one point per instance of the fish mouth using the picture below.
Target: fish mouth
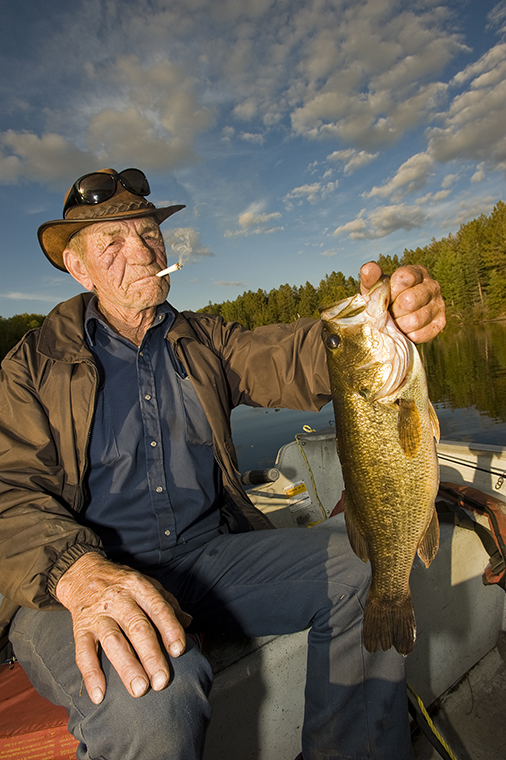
(360, 308)
(389, 347)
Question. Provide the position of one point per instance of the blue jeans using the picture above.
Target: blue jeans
(258, 583)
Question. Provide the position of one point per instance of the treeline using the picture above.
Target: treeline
(470, 266)
(13, 328)
(284, 304)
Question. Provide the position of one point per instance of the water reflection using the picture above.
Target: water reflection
(466, 372)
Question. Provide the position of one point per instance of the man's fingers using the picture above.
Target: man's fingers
(407, 277)
(183, 617)
(164, 611)
(369, 274)
(89, 664)
(416, 301)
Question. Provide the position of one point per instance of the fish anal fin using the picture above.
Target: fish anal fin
(434, 422)
(428, 546)
(389, 624)
(357, 540)
(409, 427)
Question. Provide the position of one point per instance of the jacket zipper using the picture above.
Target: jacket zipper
(88, 436)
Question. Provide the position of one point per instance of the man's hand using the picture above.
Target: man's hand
(121, 610)
(417, 305)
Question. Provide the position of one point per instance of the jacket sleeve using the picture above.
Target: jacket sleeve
(273, 365)
(39, 537)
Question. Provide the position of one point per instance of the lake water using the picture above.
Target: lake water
(466, 372)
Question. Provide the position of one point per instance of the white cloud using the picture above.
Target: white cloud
(254, 221)
(152, 120)
(497, 17)
(250, 218)
(412, 175)
(311, 193)
(25, 155)
(449, 180)
(256, 139)
(383, 221)
(363, 73)
(473, 125)
(479, 174)
(468, 209)
(352, 159)
(246, 232)
(43, 297)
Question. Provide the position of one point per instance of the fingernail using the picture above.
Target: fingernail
(97, 695)
(159, 680)
(138, 686)
(176, 648)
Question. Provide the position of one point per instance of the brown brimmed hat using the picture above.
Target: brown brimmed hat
(83, 206)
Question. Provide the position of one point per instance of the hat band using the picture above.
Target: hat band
(108, 209)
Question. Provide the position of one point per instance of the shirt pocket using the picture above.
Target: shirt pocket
(198, 429)
(103, 443)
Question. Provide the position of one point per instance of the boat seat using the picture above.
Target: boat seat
(31, 728)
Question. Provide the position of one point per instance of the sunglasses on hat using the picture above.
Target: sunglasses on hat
(98, 187)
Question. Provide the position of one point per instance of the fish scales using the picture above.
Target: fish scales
(385, 430)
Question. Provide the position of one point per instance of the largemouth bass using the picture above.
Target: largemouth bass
(385, 428)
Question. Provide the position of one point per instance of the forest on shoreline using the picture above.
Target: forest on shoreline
(470, 265)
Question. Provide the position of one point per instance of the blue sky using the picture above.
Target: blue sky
(304, 137)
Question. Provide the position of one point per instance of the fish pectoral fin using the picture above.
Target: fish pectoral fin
(409, 427)
(434, 422)
(357, 540)
(428, 546)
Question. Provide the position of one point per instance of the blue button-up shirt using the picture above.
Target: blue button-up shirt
(153, 482)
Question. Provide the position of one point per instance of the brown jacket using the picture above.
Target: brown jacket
(47, 391)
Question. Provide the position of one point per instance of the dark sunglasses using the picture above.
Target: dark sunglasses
(98, 187)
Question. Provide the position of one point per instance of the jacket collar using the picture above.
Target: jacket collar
(62, 335)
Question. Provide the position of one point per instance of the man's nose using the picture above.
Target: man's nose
(137, 250)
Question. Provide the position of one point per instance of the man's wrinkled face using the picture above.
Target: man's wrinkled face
(121, 260)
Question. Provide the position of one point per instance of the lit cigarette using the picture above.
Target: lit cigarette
(173, 268)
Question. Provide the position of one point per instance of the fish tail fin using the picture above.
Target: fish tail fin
(388, 623)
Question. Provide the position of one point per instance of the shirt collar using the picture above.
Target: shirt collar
(165, 315)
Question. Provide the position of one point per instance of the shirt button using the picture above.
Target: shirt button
(153, 443)
(159, 489)
(167, 532)
(147, 397)
(141, 353)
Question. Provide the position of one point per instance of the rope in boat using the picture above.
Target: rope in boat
(426, 725)
(313, 482)
(501, 475)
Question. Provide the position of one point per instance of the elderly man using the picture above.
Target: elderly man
(123, 520)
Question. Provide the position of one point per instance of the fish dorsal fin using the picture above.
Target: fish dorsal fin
(428, 546)
(434, 422)
(409, 427)
(357, 540)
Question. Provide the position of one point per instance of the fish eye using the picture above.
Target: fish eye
(333, 341)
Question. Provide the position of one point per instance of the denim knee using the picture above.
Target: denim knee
(169, 723)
